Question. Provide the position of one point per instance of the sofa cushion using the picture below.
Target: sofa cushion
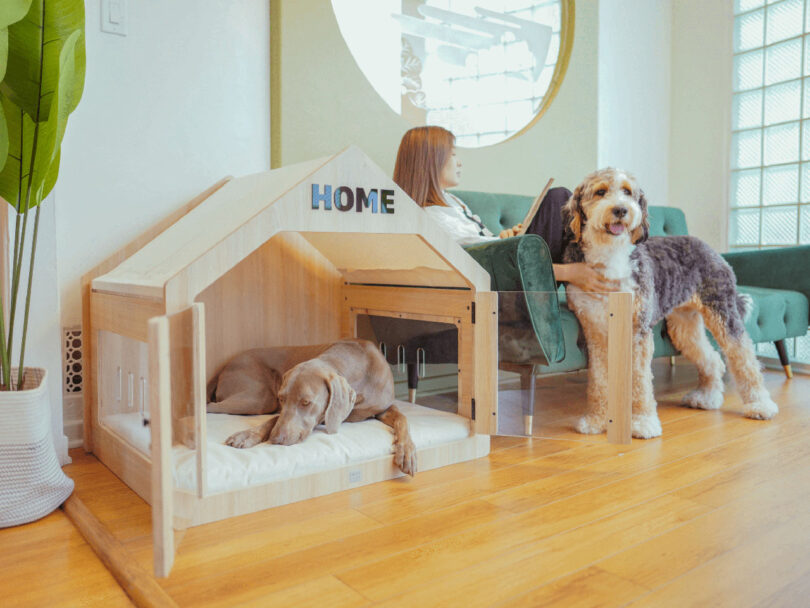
(776, 313)
(500, 211)
(667, 221)
(497, 211)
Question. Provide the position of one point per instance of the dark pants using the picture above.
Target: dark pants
(549, 224)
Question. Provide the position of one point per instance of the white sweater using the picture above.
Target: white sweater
(459, 222)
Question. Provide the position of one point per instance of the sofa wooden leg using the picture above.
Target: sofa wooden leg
(413, 381)
(781, 350)
(527, 382)
(672, 361)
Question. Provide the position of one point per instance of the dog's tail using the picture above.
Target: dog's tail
(745, 305)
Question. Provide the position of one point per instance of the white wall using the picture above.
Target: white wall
(180, 102)
(701, 116)
(634, 91)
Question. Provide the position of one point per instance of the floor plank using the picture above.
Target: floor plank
(48, 563)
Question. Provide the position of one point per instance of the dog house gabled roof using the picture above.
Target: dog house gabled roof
(405, 247)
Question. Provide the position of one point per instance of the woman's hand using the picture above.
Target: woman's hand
(505, 234)
(588, 279)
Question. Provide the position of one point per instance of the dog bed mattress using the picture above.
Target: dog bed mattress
(232, 468)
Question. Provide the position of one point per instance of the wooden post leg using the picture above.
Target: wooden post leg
(672, 361)
(620, 367)
(161, 428)
(781, 350)
(527, 382)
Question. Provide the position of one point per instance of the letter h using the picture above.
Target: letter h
(326, 197)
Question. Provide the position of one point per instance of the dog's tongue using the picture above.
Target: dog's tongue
(616, 228)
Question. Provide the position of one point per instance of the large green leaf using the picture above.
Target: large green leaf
(47, 136)
(11, 11)
(35, 45)
(53, 130)
(14, 176)
(3, 139)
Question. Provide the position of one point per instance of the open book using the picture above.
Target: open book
(534, 208)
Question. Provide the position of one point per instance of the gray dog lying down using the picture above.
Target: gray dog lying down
(347, 380)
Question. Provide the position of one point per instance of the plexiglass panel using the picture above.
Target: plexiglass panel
(423, 356)
(123, 388)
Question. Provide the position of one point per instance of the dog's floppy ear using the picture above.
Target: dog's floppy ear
(341, 402)
(573, 215)
(642, 233)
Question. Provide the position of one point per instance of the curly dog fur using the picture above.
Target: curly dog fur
(677, 278)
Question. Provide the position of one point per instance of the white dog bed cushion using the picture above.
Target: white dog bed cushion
(231, 468)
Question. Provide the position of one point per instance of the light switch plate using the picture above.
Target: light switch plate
(114, 17)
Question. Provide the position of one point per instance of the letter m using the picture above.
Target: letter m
(366, 201)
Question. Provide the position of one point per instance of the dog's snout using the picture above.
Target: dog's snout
(619, 211)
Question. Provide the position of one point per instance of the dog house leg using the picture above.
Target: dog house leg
(620, 367)
(161, 428)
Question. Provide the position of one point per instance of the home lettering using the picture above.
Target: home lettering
(344, 198)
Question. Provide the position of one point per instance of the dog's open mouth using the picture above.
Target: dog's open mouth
(615, 228)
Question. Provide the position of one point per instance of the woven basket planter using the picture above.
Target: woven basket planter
(32, 483)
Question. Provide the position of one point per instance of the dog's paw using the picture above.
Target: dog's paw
(405, 457)
(703, 399)
(590, 425)
(646, 427)
(764, 409)
(244, 439)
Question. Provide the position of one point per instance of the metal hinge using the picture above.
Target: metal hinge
(472, 409)
(472, 312)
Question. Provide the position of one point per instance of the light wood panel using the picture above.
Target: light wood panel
(248, 500)
(125, 316)
(286, 293)
(485, 375)
(620, 367)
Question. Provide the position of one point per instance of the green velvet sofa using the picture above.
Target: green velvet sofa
(778, 280)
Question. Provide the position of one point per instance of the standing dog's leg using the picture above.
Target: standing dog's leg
(743, 364)
(404, 449)
(645, 415)
(688, 333)
(595, 419)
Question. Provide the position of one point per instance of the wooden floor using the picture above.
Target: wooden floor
(714, 513)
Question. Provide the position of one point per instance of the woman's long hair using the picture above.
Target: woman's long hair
(422, 154)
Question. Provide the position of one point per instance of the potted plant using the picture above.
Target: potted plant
(42, 65)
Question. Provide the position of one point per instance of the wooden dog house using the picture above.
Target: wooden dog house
(286, 257)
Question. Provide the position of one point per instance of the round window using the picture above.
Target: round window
(484, 69)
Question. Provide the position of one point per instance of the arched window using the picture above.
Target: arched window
(484, 69)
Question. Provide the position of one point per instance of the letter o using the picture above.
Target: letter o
(339, 198)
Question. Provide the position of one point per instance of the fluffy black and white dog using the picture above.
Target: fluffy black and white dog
(677, 278)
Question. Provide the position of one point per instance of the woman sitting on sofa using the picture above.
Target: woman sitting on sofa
(427, 165)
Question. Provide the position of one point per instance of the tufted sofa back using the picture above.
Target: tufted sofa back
(499, 211)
